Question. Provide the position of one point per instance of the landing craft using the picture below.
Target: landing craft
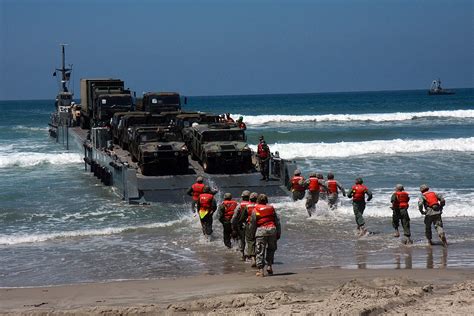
(436, 89)
(146, 155)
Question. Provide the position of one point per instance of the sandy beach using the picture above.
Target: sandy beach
(299, 292)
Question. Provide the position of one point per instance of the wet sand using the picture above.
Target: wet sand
(289, 291)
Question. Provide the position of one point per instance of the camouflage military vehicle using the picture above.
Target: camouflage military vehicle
(159, 150)
(219, 146)
(123, 132)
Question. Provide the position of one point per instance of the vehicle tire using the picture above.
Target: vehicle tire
(144, 170)
(207, 166)
(194, 157)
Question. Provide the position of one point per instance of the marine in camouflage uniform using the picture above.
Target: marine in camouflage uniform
(313, 184)
(400, 206)
(296, 185)
(245, 216)
(333, 187)
(265, 226)
(433, 204)
(239, 222)
(225, 212)
(206, 206)
(357, 193)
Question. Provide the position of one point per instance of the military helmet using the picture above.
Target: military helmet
(206, 189)
(262, 199)
(312, 175)
(227, 196)
(330, 175)
(399, 187)
(241, 118)
(199, 179)
(359, 180)
(319, 175)
(253, 196)
(297, 172)
(424, 188)
(245, 193)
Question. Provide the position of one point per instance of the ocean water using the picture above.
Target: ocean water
(58, 224)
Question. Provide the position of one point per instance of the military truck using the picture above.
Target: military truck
(159, 150)
(100, 99)
(116, 123)
(219, 146)
(123, 132)
(157, 102)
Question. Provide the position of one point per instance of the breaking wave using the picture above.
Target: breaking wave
(383, 147)
(373, 117)
(29, 159)
(33, 238)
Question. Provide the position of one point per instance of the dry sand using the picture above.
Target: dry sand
(299, 292)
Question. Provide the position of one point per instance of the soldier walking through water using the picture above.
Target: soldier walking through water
(206, 206)
(195, 190)
(333, 187)
(263, 156)
(400, 205)
(246, 215)
(265, 226)
(239, 221)
(225, 212)
(296, 185)
(357, 193)
(433, 205)
(313, 184)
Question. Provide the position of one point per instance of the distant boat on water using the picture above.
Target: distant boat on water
(436, 89)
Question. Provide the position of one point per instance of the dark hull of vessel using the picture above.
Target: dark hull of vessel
(443, 92)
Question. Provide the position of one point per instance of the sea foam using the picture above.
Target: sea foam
(29, 159)
(373, 117)
(382, 147)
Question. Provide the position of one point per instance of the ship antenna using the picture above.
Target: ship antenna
(65, 72)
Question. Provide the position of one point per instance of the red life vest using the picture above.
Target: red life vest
(402, 199)
(358, 192)
(250, 210)
(229, 208)
(242, 126)
(205, 201)
(261, 152)
(332, 186)
(197, 190)
(313, 184)
(431, 198)
(295, 185)
(265, 215)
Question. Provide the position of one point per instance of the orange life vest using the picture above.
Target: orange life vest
(265, 215)
(332, 186)
(402, 199)
(250, 210)
(295, 183)
(358, 192)
(197, 190)
(229, 208)
(313, 184)
(431, 198)
(205, 204)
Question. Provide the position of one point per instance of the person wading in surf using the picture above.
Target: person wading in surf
(357, 193)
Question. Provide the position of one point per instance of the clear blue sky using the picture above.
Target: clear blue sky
(237, 47)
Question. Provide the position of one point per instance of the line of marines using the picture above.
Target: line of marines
(251, 222)
(430, 203)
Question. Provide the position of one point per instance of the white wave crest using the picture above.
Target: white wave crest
(29, 159)
(32, 238)
(384, 147)
(373, 117)
(31, 128)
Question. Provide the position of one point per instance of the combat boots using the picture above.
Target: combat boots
(260, 273)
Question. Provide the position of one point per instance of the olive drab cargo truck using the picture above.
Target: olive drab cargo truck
(101, 98)
(158, 102)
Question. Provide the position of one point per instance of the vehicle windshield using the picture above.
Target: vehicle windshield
(165, 100)
(223, 136)
(118, 100)
(154, 136)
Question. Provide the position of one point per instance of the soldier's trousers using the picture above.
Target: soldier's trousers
(241, 234)
(194, 206)
(359, 207)
(249, 243)
(265, 250)
(311, 200)
(206, 224)
(227, 233)
(298, 195)
(401, 215)
(332, 200)
(437, 222)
